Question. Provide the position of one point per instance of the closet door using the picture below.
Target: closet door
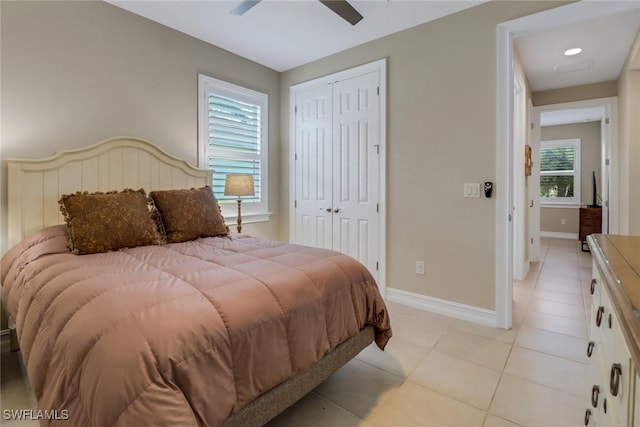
(314, 168)
(356, 138)
(337, 167)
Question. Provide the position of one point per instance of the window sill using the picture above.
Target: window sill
(248, 218)
(560, 205)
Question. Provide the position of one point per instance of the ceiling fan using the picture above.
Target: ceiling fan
(341, 7)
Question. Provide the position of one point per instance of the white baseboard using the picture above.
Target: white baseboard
(557, 235)
(440, 306)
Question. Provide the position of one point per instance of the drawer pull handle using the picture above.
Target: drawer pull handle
(614, 379)
(590, 347)
(592, 290)
(599, 315)
(587, 417)
(610, 321)
(604, 405)
(595, 393)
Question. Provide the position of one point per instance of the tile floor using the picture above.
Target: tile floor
(439, 371)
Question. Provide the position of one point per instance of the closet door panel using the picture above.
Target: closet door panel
(356, 168)
(314, 168)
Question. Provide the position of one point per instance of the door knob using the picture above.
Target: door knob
(328, 209)
(336, 210)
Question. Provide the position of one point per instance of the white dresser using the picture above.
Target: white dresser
(614, 332)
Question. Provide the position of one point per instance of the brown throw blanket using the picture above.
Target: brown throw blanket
(181, 334)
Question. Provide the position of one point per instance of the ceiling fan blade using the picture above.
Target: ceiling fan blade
(344, 9)
(244, 6)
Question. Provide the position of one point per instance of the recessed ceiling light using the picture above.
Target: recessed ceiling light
(571, 52)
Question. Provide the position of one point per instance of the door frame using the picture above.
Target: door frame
(379, 66)
(505, 33)
(608, 150)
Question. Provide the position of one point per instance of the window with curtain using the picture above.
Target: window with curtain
(233, 140)
(560, 172)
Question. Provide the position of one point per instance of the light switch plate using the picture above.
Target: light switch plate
(472, 190)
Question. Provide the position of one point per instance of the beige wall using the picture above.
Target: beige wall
(575, 93)
(590, 155)
(441, 133)
(629, 148)
(75, 73)
(551, 220)
(98, 71)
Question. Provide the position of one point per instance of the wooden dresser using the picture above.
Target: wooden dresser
(614, 332)
(590, 223)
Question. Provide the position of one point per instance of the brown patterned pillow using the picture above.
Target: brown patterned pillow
(189, 214)
(101, 222)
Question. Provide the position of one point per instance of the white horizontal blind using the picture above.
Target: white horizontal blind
(233, 138)
(560, 171)
(234, 143)
(557, 159)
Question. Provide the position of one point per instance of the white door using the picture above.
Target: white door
(605, 169)
(355, 162)
(534, 186)
(520, 230)
(337, 168)
(314, 168)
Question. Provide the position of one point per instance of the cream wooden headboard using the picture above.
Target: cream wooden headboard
(35, 185)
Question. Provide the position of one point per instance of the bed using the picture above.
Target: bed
(211, 331)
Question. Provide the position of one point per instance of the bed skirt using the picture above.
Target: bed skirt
(270, 404)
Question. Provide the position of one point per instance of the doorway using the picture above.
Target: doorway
(505, 157)
(604, 111)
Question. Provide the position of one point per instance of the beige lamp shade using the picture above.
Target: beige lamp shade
(239, 185)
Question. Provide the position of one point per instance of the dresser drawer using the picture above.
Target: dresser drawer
(615, 359)
(600, 411)
(594, 318)
(620, 375)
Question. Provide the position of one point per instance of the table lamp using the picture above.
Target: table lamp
(239, 185)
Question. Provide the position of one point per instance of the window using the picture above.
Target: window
(233, 139)
(560, 172)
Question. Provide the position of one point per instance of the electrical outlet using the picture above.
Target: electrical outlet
(420, 268)
(563, 221)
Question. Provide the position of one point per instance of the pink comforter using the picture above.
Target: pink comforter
(181, 334)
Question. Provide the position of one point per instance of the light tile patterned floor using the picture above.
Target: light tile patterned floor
(438, 371)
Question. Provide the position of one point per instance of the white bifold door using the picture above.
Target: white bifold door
(337, 167)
